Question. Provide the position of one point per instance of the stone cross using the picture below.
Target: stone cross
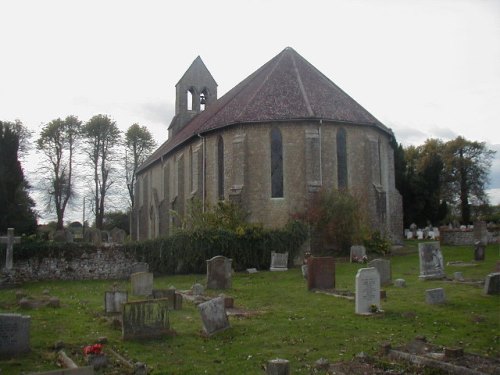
(10, 240)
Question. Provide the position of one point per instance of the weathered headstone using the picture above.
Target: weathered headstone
(400, 283)
(145, 319)
(367, 290)
(479, 251)
(114, 300)
(213, 316)
(435, 296)
(169, 294)
(357, 252)
(142, 283)
(14, 334)
(118, 235)
(219, 273)
(458, 276)
(87, 370)
(320, 273)
(383, 267)
(93, 236)
(279, 261)
(492, 283)
(10, 240)
(431, 261)
(197, 289)
(139, 267)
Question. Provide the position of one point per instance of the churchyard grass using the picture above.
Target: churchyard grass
(287, 322)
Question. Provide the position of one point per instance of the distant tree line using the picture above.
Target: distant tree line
(443, 181)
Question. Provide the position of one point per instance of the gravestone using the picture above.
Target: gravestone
(87, 370)
(409, 235)
(93, 236)
(357, 251)
(479, 251)
(431, 261)
(213, 316)
(367, 290)
(481, 232)
(435, 296)
(118, 235)
(279, 261)
(320, 273)
(197, 289)
(219, 272)
(420, 234)
(400, 283)
(436, 232)
(383, 267)
(145, 319)
(114, 300)
(14, 334)
(492, 284)
(139, 267)
(142, 283)
(170, 295)
(10, 240)
(278, 366)
(458, 276)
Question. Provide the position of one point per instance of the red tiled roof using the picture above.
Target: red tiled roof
(287, 87)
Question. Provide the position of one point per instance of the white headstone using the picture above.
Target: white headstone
(431, 261)
(420, 235)
(409, 235)
(367, 290)
(279, 261)
(435, 296)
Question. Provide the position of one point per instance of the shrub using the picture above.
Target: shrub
(378, 243)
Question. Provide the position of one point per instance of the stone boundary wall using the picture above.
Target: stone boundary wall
(462, 237)
(103, 263)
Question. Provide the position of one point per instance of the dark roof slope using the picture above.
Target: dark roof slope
(287, 87)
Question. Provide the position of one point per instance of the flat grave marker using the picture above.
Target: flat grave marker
(435, 296)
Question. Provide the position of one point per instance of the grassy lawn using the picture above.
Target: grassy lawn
(291, 323)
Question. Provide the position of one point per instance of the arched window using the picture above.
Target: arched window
(276, 164)
(220, 168)
(189, 98)
(341, 159)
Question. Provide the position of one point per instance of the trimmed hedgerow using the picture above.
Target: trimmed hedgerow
(248, 247)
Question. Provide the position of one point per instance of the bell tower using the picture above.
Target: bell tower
(195, 91)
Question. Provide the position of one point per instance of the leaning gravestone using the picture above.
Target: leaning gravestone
(114, 300)
(320, 273)
(431, 261)
(435, 296)
(383, 267)
(357, 252)
(14, 334)
(492, 283)
(279, 261)
(219, 272)
(367, 290)
(213, 316)
(142, 283)
(145, 319)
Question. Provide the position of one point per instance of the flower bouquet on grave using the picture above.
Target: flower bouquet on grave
(95, 357)
(360, 259)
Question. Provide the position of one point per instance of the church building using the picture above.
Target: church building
(269, 144)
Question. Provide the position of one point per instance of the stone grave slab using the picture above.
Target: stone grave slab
(145, 319)
(279, 261)
(383, 267)
(492, 284)
(14, 334)
(431, 261)
(367, 290)
(219, 273)
(142, 283)
(213, 316)
(435, 296)
(357, 252)
(114, 300)
(320, 273)
(87, 370)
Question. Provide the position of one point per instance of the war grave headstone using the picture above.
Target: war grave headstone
(145, 319)
(383, 267)
(357, 253)
(219, 273)
(431, 261)
(279, 261)
(142, 283)
(14, 334)
(114, 300)
(213, 316)
(435, 296)
(320, 273)
(10, 240)
(87, 370)
(492, 284)
(367, 291)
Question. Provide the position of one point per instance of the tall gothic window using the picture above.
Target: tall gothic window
(220, 168)
(341, 159)
(276, 164)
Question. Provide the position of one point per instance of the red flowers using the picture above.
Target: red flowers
(92, 349)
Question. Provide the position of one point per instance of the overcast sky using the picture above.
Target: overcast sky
(426, 68)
